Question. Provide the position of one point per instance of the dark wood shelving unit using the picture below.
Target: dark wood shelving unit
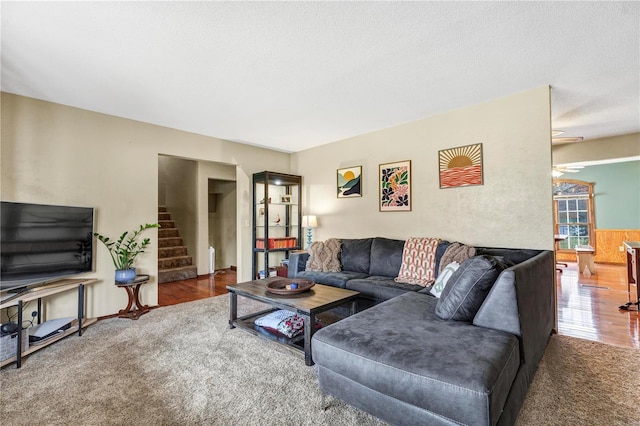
(277, 219)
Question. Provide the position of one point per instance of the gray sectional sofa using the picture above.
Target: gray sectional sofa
(400, 361)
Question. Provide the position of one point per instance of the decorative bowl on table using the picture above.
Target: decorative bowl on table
(287, 286)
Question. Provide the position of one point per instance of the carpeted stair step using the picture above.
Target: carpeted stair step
(168, 232)
(176, 274)
(165, 252)
(174, 262)
(170, 242)
(166, 223)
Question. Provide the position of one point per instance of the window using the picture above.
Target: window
(573, 211)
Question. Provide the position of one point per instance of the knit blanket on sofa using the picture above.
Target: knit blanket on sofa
(418, 261)
(456, 252)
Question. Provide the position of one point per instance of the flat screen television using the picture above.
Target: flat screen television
(40, 243)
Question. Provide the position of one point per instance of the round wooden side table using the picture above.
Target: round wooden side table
(134, 308)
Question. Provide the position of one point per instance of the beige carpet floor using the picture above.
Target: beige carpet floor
(182, 365)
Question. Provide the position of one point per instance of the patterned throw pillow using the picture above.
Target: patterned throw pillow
(324, 256)
(443, 278)
(418, 261)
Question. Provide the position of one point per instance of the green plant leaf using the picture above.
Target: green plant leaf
(124, 251)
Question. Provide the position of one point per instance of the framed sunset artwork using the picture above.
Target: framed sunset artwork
(349, 182)
(461, 166)
(395, 186)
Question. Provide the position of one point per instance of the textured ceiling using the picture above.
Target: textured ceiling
(293, 75)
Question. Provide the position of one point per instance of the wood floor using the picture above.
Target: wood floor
(587, 307)
(197, 288)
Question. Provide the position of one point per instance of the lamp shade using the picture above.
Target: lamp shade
(310, 221)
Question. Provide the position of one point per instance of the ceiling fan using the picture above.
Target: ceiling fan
(558, 171)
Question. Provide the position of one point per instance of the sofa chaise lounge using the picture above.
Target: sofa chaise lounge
(400, 361)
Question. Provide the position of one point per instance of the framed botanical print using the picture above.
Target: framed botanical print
(349, 182)
(395, 186)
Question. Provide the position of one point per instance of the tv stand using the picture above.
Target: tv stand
(37, 294)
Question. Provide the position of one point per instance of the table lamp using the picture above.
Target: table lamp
(310, 222)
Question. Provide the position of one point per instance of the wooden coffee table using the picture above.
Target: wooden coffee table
(319, 299)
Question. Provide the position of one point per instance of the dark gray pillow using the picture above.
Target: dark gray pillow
(468, 287)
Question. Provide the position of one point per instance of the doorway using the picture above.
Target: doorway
(202, 197)
(222, 226)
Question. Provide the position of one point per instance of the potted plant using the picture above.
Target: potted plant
(124, 251)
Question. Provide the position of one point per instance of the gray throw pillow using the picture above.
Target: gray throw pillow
(467, 288)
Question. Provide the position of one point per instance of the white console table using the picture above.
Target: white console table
(37, 294)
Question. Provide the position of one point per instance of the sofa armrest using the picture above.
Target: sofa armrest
(297, 263)
(522, 302)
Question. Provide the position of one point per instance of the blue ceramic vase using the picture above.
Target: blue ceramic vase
(125, 275)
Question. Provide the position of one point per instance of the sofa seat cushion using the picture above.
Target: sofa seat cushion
(335, 279)
(380, 288)
(401, 349)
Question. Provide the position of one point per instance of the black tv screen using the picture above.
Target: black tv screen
(39, 243)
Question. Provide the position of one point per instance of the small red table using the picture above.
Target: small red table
(134, 308)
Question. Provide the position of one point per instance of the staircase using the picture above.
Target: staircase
(174, 263)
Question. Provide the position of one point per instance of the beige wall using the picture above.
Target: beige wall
(512, 209)
(615, 147)
(60, 155)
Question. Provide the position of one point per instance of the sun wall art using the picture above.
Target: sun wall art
(349, 182)
(395, 186)
(461, 166)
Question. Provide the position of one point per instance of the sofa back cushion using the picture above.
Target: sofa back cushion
(514, 256)
(443, 245)
(386, 257)
(356, 255)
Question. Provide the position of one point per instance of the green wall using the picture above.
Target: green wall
(617, 193)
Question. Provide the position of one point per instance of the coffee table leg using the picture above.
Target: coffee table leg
(354, 308)
(233, 308)
(309, 322)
